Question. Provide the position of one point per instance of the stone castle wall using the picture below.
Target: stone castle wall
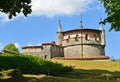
(57, 51)
(47, 50)
(88, 50)
(82, 43)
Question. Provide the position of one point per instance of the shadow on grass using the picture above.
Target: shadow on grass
(92, 74)
(78, 75)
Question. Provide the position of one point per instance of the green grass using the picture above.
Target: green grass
(85, 71)
(111, 66)
(64, 79)
(93, 71)
(31, 64)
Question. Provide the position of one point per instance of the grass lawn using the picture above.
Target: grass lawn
(85, 71)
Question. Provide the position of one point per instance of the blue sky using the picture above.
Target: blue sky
(41, 25)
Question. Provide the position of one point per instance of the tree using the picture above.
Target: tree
(11, 47)
(112, 8)
(13, 7)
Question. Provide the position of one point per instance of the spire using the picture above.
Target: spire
(59, 26)
(81, 26)
(101, 23)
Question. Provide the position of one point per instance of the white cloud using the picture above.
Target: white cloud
(3, 17)
(17, 45)
(30, 44)
(52, 8)
(39, 44)
(98, 7)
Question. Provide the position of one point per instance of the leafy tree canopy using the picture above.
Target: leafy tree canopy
(112, 8)
(13, 7)
(11, 47)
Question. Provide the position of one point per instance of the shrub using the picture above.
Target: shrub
(31, 64)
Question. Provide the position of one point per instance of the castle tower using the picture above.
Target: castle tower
(59, 34)
(103, 42)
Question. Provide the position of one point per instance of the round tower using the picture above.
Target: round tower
(83, 43)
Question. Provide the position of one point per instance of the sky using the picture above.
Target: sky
(42, 24)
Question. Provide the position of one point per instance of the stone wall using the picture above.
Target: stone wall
(57, 51)
(43, 52)
(47, 50)
(83, 51)
(83, 43)
(93, 50)
(73, 51)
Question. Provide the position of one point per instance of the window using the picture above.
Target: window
(45, 56)
(86, 37)
(67, 40)
(76, 38)
(68, 37)
(96, 38)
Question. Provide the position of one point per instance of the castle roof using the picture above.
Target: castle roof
(52, 44)
(25, 47)
(49, 43)
(83, 29)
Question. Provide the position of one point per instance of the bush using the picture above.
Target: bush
(31, 64)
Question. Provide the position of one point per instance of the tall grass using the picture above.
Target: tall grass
(31, 64)
(92, 64)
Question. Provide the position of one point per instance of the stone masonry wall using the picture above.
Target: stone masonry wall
(83, 44)
(47, 51)
(88, 50)
(43, 53)
(57, 51)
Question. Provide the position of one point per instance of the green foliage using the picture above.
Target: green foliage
(13, 7)
(31, 64)
(11, 47)
(112, 8)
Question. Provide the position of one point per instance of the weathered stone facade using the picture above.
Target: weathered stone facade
(83, 43)
(73, 44)
(46, 50)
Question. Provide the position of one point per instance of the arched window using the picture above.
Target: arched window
(67, 40)
(68, 37)
(96, 38)
(76, 38)
(86, 37)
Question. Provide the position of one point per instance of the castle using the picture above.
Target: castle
(81, 43)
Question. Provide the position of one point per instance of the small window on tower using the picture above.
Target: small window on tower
(76, 38)
(96, 38)
(67, 40)
(68, 37)
(86, 37)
